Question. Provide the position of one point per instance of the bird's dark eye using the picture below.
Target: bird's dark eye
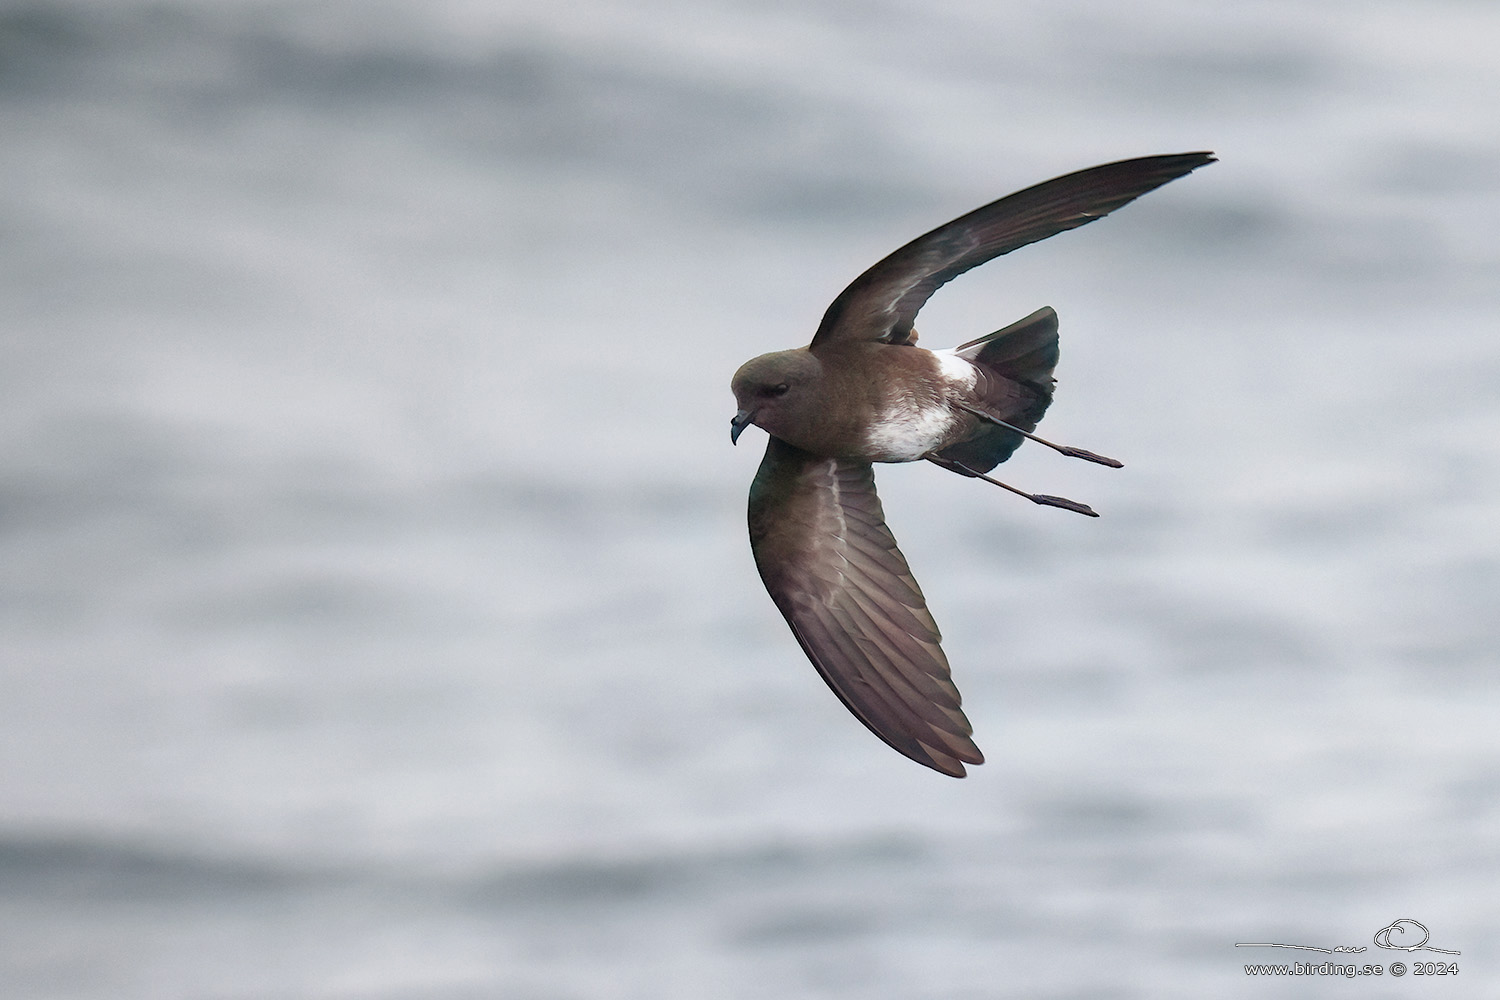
(779, 389)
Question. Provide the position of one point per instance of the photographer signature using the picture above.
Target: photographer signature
(1388, 937)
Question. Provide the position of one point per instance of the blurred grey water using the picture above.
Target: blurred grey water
(375, 610)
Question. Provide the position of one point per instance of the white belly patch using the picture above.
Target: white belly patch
(910, 428)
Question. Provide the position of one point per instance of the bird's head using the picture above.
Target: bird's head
(776, 392)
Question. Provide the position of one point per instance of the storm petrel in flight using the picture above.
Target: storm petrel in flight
(863, 392)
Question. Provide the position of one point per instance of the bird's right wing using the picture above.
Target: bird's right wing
(834, 571)
(882, 303)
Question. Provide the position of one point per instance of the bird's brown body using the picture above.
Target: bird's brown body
(869, 401)
(863, 392)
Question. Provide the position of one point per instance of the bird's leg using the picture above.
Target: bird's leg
(1037, 498)
(1061, 449)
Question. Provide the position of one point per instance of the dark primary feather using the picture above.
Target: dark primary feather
(882, 303)
(834, 571)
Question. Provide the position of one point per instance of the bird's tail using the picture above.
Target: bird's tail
(1025, 351)
(1015, 385)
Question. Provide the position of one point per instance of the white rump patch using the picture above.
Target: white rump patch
(956, 369)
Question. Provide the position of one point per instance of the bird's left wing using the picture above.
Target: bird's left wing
(834, 571)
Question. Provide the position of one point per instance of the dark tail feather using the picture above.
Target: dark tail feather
(1025, 351)
(1015, 385)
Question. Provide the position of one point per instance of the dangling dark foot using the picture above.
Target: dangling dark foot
(1037, 498)
(1062, 449)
